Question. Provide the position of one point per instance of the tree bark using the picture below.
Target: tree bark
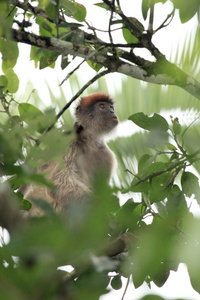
(159, 72)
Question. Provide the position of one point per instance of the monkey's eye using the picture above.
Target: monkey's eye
(78, 108)
(101, 106)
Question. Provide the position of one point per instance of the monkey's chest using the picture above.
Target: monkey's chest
(98, 162)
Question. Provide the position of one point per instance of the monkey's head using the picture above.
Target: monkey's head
(95, 114)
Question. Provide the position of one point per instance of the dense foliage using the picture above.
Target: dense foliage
(158, 170)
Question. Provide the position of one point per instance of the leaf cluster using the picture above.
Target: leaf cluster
(158, 212)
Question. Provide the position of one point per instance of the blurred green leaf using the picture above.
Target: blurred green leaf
(47, 58)
(13, 81)
(3, 81)
(116, 282)
(68, 6)
(64, 62)
(52, 9)
(176, 126)
(10, 53)
(145, 8)
(190, 185)
(29, 112)
(161, 276)
(128, 36)
(94, 66)
(34, 117)
(156, 122)
(34, 55)
(80, 12)
(186, 9)
(152, 297)
(129, 215)
(103, 5)
(176, 204)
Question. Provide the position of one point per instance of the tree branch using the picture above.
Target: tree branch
(111, 249)
(159, 72)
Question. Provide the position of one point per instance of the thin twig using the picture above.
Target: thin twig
(150, 27)
(10, 12)
(109, 27)
(118, 3)
(171, 15)
(96, 77)
(130, 45)
(72, 72)
(101, 30)
(136, 176)
(155, 174)
(126, 287)
(184, 132)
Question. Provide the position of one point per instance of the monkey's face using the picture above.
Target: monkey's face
(106, 117)
(98, 118)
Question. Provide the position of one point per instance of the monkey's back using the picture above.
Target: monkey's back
(74, 178)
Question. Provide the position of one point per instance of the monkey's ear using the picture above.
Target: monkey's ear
(78, 127)
(78, 108)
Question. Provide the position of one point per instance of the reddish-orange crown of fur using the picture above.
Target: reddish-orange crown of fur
(87, 101)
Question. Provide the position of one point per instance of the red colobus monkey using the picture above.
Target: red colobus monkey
(86, 157)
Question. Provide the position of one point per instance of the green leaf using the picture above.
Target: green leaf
(64, 62)
(34, 55)
(48, 58)
(26, 205)
(161, 208)
(94, 65)
(80, 12)
(145, 8)
(3, 81)
(46, 26)
(116, 282)
(190, 185)
(10, 53)
(103, 5)
(68, 6)
(52, 9)
(137, 24)
(13, 81)
(33, 116)
(156, 167)
(159, 187)
(29, 112)
(161, 276)
(7, 13)
(137, 186)
(154, 123)
(129, 214)
(170, 146)
(129, 38)
(176, 204)
(144, 162)
(187, 9)
(152, 297)
(176, 126)
(138, 277)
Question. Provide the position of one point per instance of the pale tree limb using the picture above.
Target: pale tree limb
(159, 72)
